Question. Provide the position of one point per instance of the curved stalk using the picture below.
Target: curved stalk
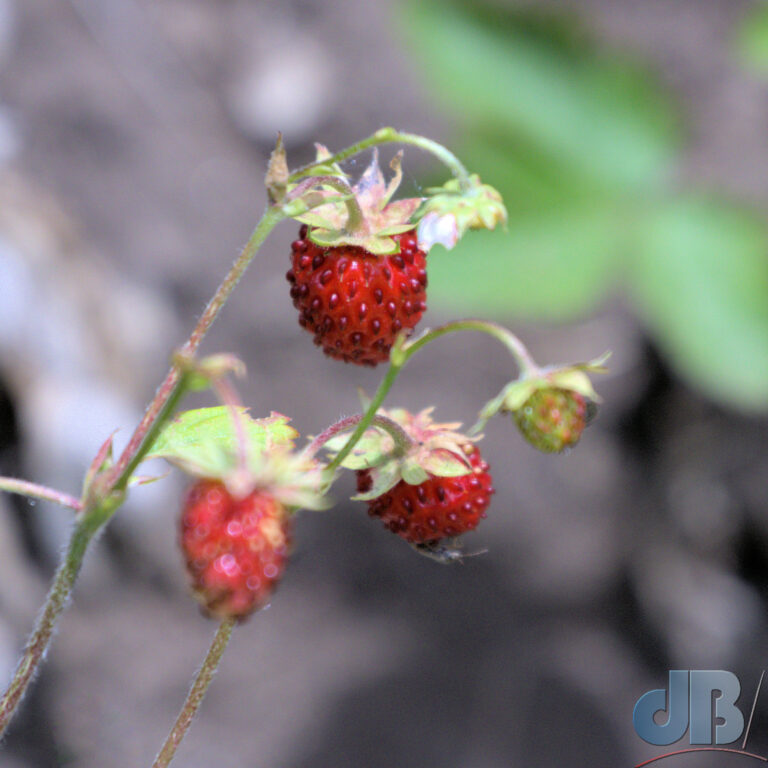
(401, 353)
(196, 693)
(516, 348)
(392, 136)
(398, 434)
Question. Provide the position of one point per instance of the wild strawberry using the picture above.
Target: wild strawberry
(235, 549)
(356, 302)
(438, 508)
(358, 276)
(553, 419)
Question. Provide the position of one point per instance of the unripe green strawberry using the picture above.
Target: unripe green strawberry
(235, 549)
(552, 419)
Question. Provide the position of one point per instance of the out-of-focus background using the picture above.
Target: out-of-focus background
(629, 140)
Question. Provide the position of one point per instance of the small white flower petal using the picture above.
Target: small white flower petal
(434, 229)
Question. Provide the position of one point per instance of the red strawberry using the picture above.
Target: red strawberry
(552, 419)
(235, 549)
(356, 302)
(438, 508)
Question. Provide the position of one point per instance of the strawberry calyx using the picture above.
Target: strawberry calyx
(435, 450)
(205, 443)
(373, 219)
(570, 378)
(449, 211)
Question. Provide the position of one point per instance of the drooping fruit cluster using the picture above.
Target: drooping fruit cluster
(235, 549)
(356, 302)
(438, 508)
(552, 419)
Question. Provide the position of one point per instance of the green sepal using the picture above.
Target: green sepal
(321, 166)
(373, 448)
(443, 463)
(102, 461)
(413, 473)
(436, 450)
(201, 374)
(450, 211)
(328, 238)
(303, 208)
(568, 377)
(146, 479)
(276, 179)
(383, 479)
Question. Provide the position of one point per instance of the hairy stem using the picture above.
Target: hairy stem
(367, 418)
(102, 503)
(55, 603)
(169, 390)
(392, 136)
(196, 693)
(399, 435)
(33, 490)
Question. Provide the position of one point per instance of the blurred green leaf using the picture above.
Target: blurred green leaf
(752, 38)
(578, 142)
(204, 441)
(599, 115)
(700, 280)
(553, 266)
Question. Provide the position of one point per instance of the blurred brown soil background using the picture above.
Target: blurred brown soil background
(133, 141)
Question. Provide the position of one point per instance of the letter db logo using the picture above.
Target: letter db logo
(690, 700)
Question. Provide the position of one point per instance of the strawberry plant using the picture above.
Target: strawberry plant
(358, 278)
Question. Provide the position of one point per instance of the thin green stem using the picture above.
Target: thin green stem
(196, 693)
(33, 490)
(398, 434)
(517, 349)
(402, 351)
(55, 603)
(392, 136)
(367, 419)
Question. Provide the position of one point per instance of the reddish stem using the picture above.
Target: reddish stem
(169, 389)
(25, 488)
(398, 434)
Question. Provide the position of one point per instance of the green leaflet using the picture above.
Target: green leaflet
(204, 441)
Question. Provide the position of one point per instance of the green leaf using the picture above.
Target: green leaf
(700, 280)
(751, 40)
(594, 112)
(553, 266)
(204, 441)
